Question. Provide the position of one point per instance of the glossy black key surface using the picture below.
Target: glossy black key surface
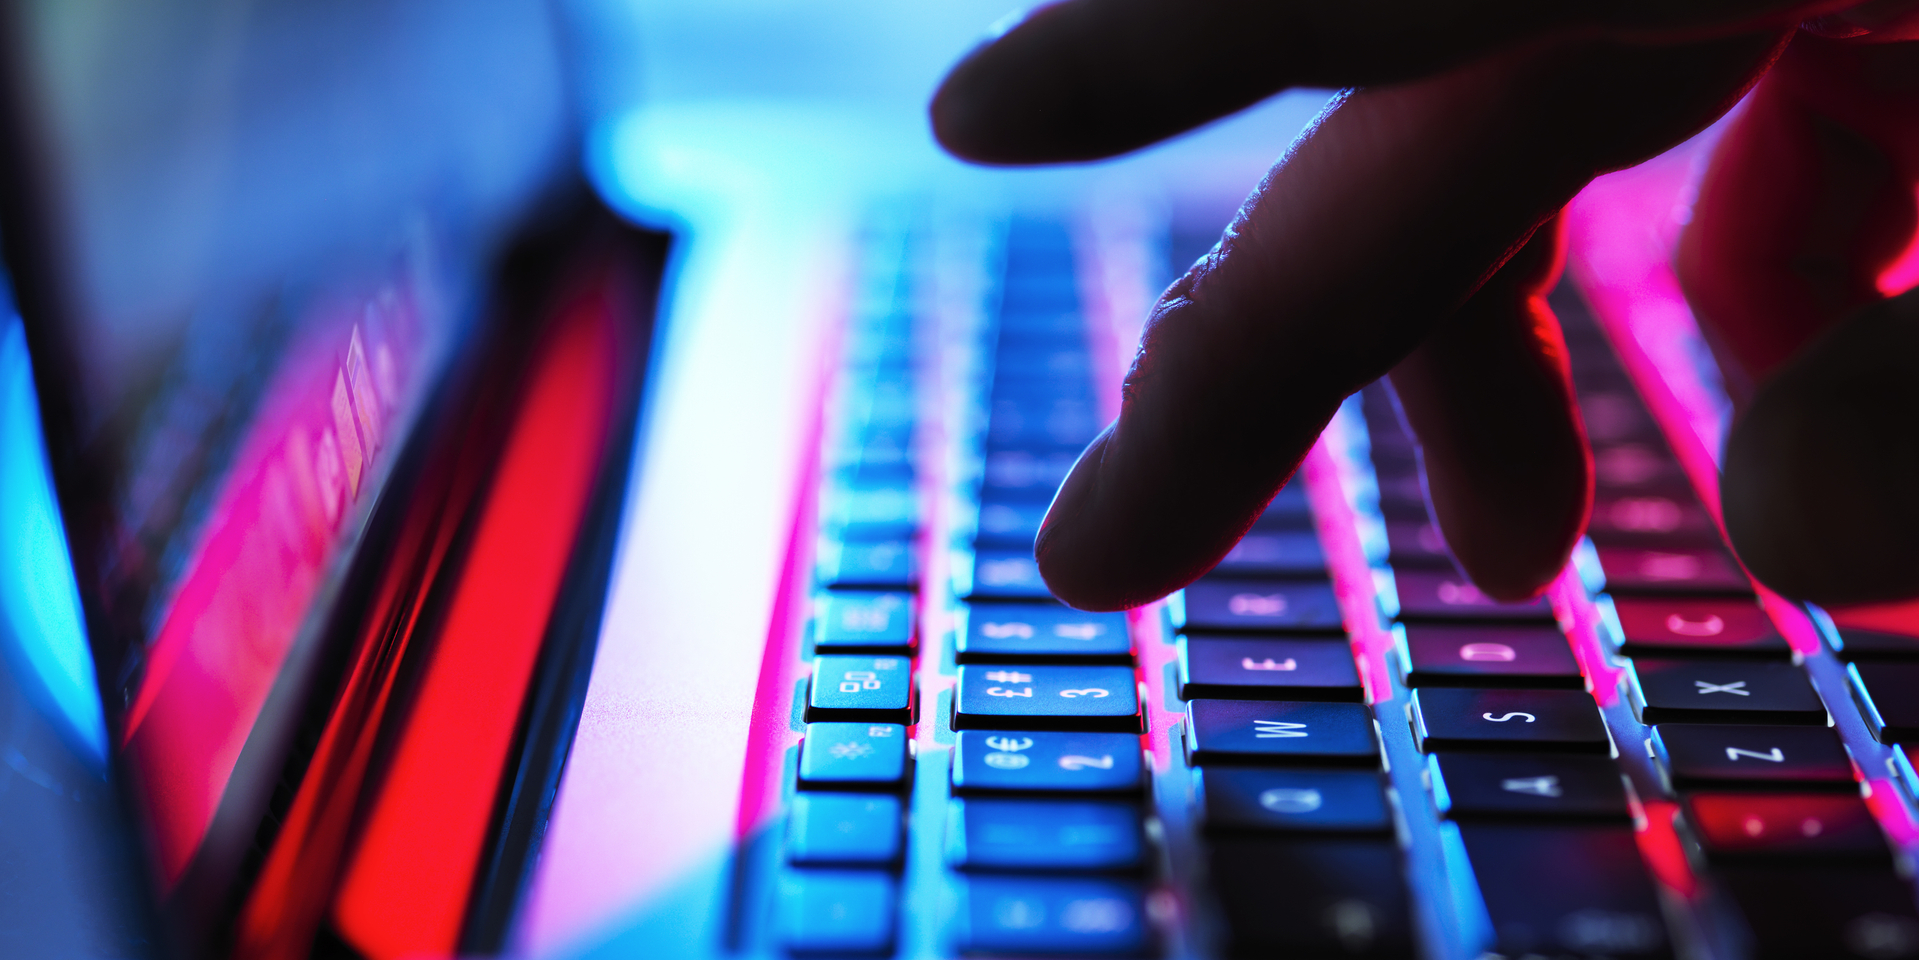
(1416, 544)
(1032, 761)
(1274, 553)
(1009, 523)
(1039, 697)
(1267, 731)
(1888, 695)
(1053, 916)
(871, 564)
(1011, 631)
(838, 912)
(1852, 643)
(1243, 668)
(1445, 595)
(1486, 786)
(1312, 897)
(1832, 911)
(1488, 655)
(1652, 520)
(1638, 468)
(1651, 626)
(1005, 574)
(850, 829)
(842, 755)
(1701, 755)
(844, 621)
(1316, 801)
(1044, 835)
(1721, 691)
(1566, 721)
(1566, 890)
(1784, 826)
(1672, 570)
(861, 688)
(1239, 605)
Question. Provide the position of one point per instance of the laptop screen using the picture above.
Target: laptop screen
(246, 239)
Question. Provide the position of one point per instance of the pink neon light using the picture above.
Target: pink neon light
(275, 526)
(1352, 573)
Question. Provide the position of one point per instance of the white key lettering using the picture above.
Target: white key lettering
(1004, 692)
(1248, 663)
(1775, 756)
(1094, 692)
(1009, 676)
(1488, 653)
(1737, 687)
(1002, 631)
(1007, 761)
(1078, 631)
(1009, 744)
(1257, 604)
(1502, 718)
(1077, 762)
(1712, 626)
(853, 681)
(1277, 729)
(1291, 800)
(1535, 786)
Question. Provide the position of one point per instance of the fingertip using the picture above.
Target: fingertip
(1817, 484)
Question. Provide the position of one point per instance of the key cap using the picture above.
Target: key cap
(1721, 691)
(1321, 801)
(1652, 520)
(1213, 666)
(837, 912)
(1053, 916)
(861, 688)
(1832, 911)
(1684, 570)
(873, 512)
(1541, 904)
(1651, 626)
(1771, 826)
(1022, 697)
(1888, 695)
(1702, 755)
(998, 573)
(845, 622)
(875, 564)
(847, 829)
(1044, 835)
(1416, 544)
(1489, 655)
(1267, 731)
(853, 754)
(1852, 643)
(1031, 761)
(1616, 415)
(1436, 595)
(1469, 786)
(1564, 721)
(1015, 631)
(1061, 422)
(1402, 497)
(1299, 897)
(1275, 605)
(1032, 473)
(1638, 468)
(1274, 553)
(1009, 524)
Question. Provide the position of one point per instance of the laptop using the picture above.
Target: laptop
(761, 666)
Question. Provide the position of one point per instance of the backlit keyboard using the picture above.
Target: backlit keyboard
(1332, 745)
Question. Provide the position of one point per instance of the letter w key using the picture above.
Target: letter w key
(1275, 729)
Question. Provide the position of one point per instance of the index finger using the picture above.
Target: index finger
(1377, 226)
(1085, 79)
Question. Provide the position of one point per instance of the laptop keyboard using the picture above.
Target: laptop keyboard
(1330, 746)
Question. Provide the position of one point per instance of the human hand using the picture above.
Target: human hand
(1410, 233)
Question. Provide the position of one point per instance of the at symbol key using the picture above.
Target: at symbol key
(1563, 721)
(1041, 697)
